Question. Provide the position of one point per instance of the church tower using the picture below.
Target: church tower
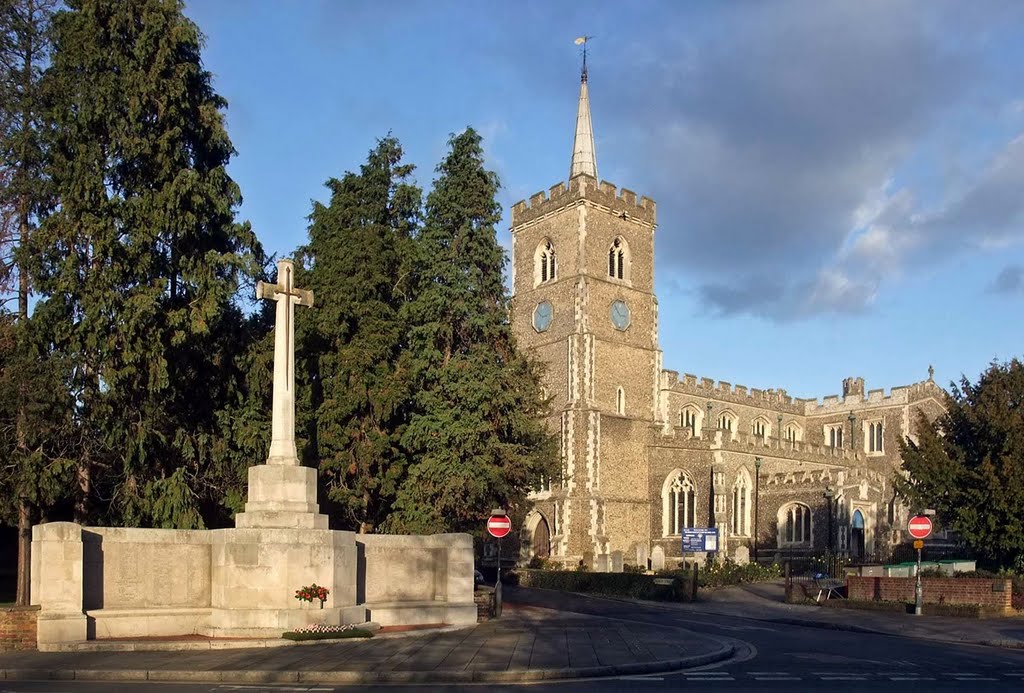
(583, 304)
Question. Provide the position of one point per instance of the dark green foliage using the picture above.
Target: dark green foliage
(141, 262)
(37, 434)
(354, 393)
(728, 572)
(624, 584)
(969, 465)
(476, 430)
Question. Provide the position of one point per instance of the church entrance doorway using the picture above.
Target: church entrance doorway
(857, 536)
(536, 539)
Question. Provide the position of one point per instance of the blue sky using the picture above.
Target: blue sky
(840, 185)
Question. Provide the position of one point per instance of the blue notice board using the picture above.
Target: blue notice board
(700, 539)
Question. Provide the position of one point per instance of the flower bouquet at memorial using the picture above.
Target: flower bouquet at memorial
(311, 592)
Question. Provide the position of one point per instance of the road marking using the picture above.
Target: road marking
(911, 678)
(825, 677)
(776, 678)
(973, 677)
(641, 678)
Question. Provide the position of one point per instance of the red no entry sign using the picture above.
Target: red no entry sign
(920, 526)
(499, 525)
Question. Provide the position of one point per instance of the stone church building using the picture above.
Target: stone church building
(647, 452)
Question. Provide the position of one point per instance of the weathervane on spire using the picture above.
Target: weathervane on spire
(582, 41)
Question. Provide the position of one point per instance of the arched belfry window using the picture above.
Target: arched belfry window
(545, 264)
(620, 401)
(618, 260)
(678, 503)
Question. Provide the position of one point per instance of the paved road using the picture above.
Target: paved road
(772, 657)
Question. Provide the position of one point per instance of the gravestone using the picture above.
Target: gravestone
(642, 557)
(658, 558)
(616, 561)
(741, 555)
(601, 563)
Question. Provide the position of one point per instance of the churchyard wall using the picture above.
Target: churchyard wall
(990, 593)
(18, 627)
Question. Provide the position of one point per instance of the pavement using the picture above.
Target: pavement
(526, 644)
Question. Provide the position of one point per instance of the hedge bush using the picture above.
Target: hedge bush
(722, 573)
(633, 585)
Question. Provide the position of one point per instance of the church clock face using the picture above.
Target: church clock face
(542, 316)
(620, 314)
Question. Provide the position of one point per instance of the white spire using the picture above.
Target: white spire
(584, 158)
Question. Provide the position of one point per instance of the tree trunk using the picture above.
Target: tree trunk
(24, 552)
(83, 474)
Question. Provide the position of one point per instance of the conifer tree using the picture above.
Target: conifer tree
(355, 401)
(140, 263)
(24, 51)
(969, 465)
(476, 432)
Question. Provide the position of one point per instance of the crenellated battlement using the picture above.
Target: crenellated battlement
(739, 394)
(779, 400)
(583, 187)
(900, 395)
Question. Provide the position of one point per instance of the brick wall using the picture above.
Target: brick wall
(18, 627)
(935, 590)
(484, 599)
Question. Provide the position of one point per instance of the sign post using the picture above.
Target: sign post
(498, 525)
(919, 527)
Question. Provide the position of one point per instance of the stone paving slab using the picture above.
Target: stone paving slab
(527, 644)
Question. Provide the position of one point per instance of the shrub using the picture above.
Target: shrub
(728, 572)
(623, 584)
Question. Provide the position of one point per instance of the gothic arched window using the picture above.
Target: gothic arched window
(546, 268)
(795, 524)
(620, 401)
(678, 502)
(741, 504)
(618, 259)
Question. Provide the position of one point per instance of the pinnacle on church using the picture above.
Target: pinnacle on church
(584, 158)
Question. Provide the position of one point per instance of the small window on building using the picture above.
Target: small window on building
(834, 436)
(688, 419)
(720, 502)
(546, 268)
(618, 259)
(741, 504)
(793, 432)
(620, 401)
(726, 422)
(874, 441)
(759, 428)
(795, 524)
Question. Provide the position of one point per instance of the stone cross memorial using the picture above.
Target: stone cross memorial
(282, 493)
(282, 442)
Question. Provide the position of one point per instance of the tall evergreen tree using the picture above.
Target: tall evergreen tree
(476, 432)
(355, 404)
(24, 52)
(969, 464)
(140, 263)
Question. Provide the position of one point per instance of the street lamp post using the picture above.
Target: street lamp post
(757, 502)
(853, 433)
(707, 422)
(829, 496)
(778, 434)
